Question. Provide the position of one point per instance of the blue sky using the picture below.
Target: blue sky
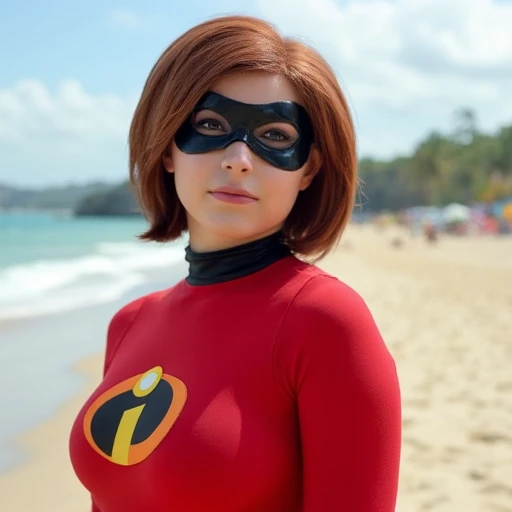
(71, 72)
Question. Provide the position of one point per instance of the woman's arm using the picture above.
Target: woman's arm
(344, 381)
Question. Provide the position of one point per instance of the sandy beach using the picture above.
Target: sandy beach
(445, 311)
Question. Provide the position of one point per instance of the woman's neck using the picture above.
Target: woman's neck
(228, 263)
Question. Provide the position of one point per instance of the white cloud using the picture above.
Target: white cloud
(406, 65)
(415, 60)
(68, 133)
(125, 18)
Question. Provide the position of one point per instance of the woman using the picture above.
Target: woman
(259, 383)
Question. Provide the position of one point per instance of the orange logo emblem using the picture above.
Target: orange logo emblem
(127, 422)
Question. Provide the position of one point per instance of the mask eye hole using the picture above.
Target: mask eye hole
(277, 135)
(209, 123)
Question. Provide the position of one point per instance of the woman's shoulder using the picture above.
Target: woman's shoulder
(125, 316)
(326, 307)
(328, 325)
(323, 293)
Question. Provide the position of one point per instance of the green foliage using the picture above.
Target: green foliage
(116, 201)
(463, 166)
(49, 198)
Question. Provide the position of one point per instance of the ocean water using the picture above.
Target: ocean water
(68, 277)
(54, 262)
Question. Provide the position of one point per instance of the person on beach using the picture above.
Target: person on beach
(259, 382)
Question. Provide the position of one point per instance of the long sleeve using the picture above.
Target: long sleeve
(331, 360)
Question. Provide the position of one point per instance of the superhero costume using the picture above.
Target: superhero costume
(258, 384)
(242, 121)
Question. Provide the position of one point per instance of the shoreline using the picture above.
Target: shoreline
(69, 337)
(444, 311)
(49, 459)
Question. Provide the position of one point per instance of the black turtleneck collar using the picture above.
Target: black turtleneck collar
(219, 266)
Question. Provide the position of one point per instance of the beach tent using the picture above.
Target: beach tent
(434, 216)
(455, 213)
(507, 212)
(502, 209)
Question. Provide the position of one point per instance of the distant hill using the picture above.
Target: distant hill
(463, 166)
(51, 198)
(118, 200)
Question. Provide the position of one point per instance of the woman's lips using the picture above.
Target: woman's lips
(233, 195)
(233, 198)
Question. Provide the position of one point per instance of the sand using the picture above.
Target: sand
(445, 312)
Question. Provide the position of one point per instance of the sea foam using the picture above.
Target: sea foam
(51, 286)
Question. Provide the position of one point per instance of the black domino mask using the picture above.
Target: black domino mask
(243, 120)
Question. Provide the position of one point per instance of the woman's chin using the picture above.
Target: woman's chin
(239, 232)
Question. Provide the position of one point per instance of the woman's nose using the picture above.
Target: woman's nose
(237, 157)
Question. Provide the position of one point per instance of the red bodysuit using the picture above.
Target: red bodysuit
(272, 392)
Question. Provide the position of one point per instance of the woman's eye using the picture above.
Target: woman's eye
(209, 124)
(276, 136)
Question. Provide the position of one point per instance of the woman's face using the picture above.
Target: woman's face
(232, 195)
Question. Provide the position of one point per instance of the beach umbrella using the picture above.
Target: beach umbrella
(507, 212)
(456, 213)
(433, 216)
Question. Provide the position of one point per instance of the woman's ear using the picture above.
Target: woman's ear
(167, 161)
(314, 164)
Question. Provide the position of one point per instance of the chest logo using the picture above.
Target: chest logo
(128, 421)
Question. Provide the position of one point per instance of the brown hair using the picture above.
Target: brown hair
(187, 69)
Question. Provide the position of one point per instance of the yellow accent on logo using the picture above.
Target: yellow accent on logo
(148, 382)
(124, 434)
(123, 450)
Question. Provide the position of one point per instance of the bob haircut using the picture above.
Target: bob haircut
(187, 69)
